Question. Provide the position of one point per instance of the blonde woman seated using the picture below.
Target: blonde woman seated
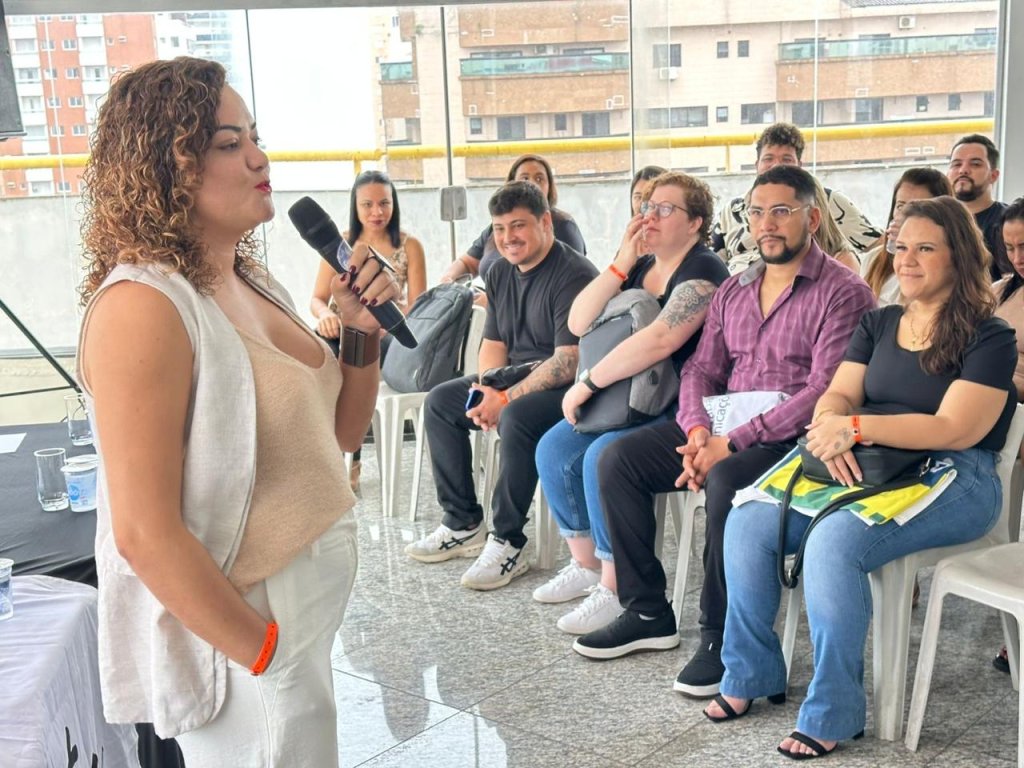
(830, 238)
(664, 251)
(934, 375)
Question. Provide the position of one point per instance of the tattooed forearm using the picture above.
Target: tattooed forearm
(557, 371)
(687, 302)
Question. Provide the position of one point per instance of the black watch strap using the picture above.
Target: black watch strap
(731, 446)
(585, 378)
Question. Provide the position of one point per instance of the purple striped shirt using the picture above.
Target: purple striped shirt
(795, 349)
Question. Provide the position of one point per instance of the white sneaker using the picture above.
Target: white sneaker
(444, 544)
(569, 583)
(497, 565)
(600, 609)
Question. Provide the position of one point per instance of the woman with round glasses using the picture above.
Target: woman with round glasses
(664, 252)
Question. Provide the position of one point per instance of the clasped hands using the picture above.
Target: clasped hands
(831, 437)
(486, 414)
(701, 452)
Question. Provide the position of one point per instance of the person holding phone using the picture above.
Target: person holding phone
(226, 548)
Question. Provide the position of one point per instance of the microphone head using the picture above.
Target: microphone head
(313, 223)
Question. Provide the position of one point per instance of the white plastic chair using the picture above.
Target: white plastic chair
(683, 506)
(993, 577)
(469, 365)
(892, 588)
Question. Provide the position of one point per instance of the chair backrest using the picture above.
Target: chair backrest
(475, 337)
(1009, 517)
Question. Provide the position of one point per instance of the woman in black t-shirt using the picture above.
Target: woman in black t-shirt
(933, 375)
(663, 252)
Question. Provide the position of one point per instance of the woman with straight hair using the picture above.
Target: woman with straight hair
(226, 547)
(932, 375)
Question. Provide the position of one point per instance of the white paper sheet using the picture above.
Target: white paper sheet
(10, 443)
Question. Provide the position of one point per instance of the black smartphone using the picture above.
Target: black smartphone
(475, 397)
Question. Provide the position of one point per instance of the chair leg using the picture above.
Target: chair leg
(417, 461)
(547, 533)
(660, 504)
(379, 426)
(793, 601)
(892, 588)
(1011, 635)
(925, 662)
(685, 517)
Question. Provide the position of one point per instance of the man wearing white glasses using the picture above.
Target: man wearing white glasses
(732, 236)
(774, 335)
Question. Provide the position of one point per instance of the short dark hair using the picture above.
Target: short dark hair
(976, 138)
(781, 135)
(552, 188)
(1014, 212)
(646, 173)
(793, 176)
(355, 227)
(518, 194)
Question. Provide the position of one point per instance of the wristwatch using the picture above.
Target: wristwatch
(585, 379)
(731, 446)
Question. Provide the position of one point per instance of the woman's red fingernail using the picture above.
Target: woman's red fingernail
(373, 303)
(363, 302)
(356, 290)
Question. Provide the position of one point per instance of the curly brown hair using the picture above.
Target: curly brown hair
(972, 300)
(700, 202)
(145, 167)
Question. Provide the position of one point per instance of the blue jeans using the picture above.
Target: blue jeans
(567, 466)
(840, 553)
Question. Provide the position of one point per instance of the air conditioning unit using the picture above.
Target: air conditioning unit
(609, 104)
(907, 22)
(472, 109)
(861, 93)
(791, 79)
(617, 101)
(668, 73)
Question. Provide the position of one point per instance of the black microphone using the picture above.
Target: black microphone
(320, 232)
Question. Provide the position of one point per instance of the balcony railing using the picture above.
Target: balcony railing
(395, 70)
(544, 65)
(930, 45)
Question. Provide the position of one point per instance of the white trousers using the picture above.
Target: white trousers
(287, 716)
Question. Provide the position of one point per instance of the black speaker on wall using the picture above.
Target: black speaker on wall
(10, 111)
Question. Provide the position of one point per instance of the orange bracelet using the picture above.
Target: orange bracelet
(617, 272)
(689, 435)
(266, 652)
(503, 396)
(856, 428)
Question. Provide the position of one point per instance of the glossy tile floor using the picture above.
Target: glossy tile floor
(428, 673)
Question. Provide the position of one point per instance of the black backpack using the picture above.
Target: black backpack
(440, 321)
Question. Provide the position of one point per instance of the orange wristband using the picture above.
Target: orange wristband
(856, 428)
(503, 396)
(267, 651)
(617, 272)
(689, 435)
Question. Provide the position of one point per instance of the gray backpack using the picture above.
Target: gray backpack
(439, 319)
(634, 400)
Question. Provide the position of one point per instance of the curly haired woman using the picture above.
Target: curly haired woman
(225, 546)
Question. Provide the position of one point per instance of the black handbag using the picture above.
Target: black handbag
(883, 468)
(507, 375)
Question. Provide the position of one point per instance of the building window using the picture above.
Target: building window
(47, 45)
(953, 102)
(35, 133)
(757, 113)
(989, 107)
(96, 73)
(50, 74)
(71, 73)
(678, 117)
(31, 104)
(24, 45)
(512, 128)
(122, 38)
(53, 102)
(723, 49)
(803, 113)
(596, 124)
(721, 114)
(743, 49)
(67, 17)
(63, 186)
(175, 41)
(40, 188)
(922, 103)
(27, 74)
(78, 130)
(476, 126)
(657, 119)
(74, 101)
(867, 110)
(110, 41)
(69, 44)
(56, 130)
(668, 55)
(561, 122)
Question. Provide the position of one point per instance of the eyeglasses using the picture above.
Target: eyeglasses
(777, 213)
(661, 210)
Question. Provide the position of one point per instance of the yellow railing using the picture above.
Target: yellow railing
(658, 140)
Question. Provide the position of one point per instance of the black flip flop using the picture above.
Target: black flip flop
(730, 713)
(807, 741)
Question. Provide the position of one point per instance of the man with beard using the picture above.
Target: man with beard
(782, 326)
(529, 293)
(973, 169)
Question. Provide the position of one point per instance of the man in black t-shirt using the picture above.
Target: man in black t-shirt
(529, 294)
(973, 169)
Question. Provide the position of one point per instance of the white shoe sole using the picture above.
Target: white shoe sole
(576, 630)
(554, 600)
(646, 644)
(466, 550)
(504, 581)
(697, 691)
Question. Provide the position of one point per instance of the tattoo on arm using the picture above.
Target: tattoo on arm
(557, 371)
(686, 302)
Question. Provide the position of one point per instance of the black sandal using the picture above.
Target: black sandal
(807, 741)
(732, 714)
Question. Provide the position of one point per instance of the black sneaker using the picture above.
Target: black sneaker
(702, 675)
(1002, 661)
(630, 633)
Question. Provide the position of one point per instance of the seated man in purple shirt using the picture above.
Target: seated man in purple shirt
(781, 326)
